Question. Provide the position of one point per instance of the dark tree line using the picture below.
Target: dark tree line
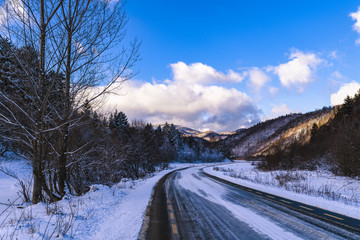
(114, 149)
(107, 150)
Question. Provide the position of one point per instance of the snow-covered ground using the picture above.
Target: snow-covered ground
(103, 213)
(9, 186)
(318, 188)
(117, 212)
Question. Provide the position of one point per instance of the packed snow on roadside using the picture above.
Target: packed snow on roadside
(317, 188)
(104, 212)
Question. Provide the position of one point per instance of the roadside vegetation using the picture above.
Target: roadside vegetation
(317, 183)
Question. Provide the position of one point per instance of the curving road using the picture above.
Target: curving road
(190, 204)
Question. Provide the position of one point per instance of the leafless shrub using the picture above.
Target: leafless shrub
(240, 175)
(223, 169)
(8, 211)
(65, 225)
(60, 223)
(284, 178)
(3, 149)
(52, 209)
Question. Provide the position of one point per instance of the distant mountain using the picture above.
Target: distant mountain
(209, 136)
(260, 138)
(213, 136)
(185, 131)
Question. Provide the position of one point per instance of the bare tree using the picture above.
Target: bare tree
(92, 28)
(26, 23)
(72, 39)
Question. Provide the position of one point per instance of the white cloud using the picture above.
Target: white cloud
(348, 89)
(273, 91)
(2, 16)
(279, 110)
(257, 78)
(356, 17)
(186, 100)
(10, 9)
(299, 70)
(337, 75)
(333, 55)
(201, 73)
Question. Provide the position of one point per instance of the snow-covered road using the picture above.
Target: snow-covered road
(203, 208)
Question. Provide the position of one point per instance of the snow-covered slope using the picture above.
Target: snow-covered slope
(213, 136)
(185, 131)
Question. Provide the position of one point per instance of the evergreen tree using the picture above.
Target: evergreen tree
(151, 149)
(159, 136)
(119, 121)
(10, 70)
(111, 121)
(174, 136)
(347, 107)
(6, 65)
(314, 130)
(166, 129)
(357, 95)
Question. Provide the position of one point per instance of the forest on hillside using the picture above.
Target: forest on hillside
(334, 145)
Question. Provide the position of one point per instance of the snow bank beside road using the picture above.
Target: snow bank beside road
(345, 190)
(118, 218)
(102, 213)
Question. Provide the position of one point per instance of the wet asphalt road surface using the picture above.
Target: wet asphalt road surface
(190, 204)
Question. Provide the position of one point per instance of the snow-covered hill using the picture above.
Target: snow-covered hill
(185, 131)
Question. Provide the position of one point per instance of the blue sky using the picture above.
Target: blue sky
(229, 64)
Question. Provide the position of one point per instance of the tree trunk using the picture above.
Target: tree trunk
(65, 130)
(37, 189)
(38, 148)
